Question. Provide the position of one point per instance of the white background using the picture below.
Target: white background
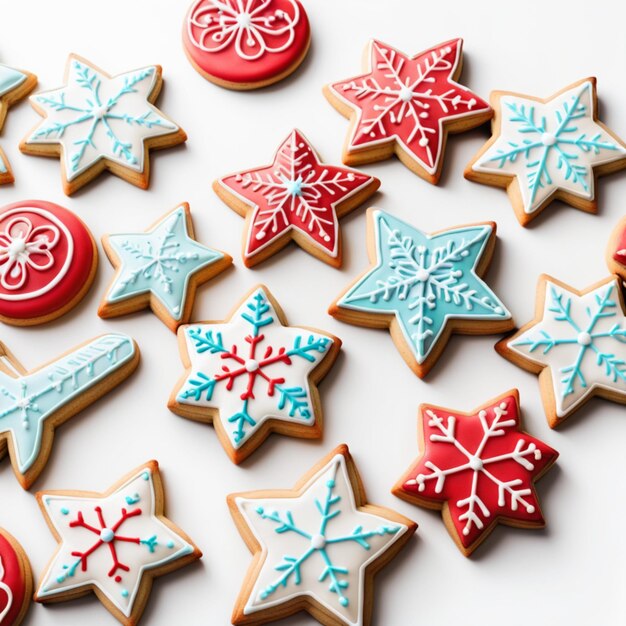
(571, 573)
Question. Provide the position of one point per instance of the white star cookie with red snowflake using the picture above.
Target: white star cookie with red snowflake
(252, 374)
(407, 106)
(296, 198)
(113, 543)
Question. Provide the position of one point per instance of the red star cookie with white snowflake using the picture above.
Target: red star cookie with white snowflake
(407, 106)
(296, 198)
(113, 544)
(479, 468)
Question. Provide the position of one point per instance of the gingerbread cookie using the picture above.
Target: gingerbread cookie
(246, 45)
(16, 581)
(424, 287)
(33, 403)
(576, 344)
(616, 250)
(296, 198)
(544, 150)
(316, 547)
(160, 269)
(97, 122)
(113, 543)
(479, 468)
(407, 106)
(252, 374)
(14, 85)
(48, 260)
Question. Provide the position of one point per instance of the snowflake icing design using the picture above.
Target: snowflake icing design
(96, 116)
(425, 280)
(317, 544)
(297, 192)
(109, 541)
(409, 100)
(550, 146)
(252, 369)
(253, 27)
(582, 339)
(160, 261)
(482, 465)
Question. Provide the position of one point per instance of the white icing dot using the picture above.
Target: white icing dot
(405, 94)
(16, 247)
(531, 509)
(584, 339)
(318, 542)
(244, 20)
(423, 142)
(99, 112)
(475, 463)
(422, 275)
(107, 535)
(548, 139)
(498, 310)
(251, 365)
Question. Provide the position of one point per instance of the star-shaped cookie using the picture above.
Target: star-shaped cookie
(113, 544)
(97, 122)
(14, 85)
(576, 343)
(542, 150)
(479, 468)
(316, 547)
(424, 287)
(407, 106)
(160, 269)
(252, 374)
(296, 198)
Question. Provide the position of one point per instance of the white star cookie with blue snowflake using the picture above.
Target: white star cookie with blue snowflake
(14, 85)
(253, 374)
(316, 547)
(97, 122)
(113, 543)
(576, 343)
(424, 287)
(160, 269)
(542, 150)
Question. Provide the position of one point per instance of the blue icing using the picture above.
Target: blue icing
(10, 79)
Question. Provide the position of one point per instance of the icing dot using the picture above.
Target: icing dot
(170, 544)
(294, 187)
(498, 310)
(343, 601)
(107, 535)
(16, 247)
(99, 112)
(422, 275)
(531, 509)
(145, 476)
(125, 593)
(65, 511)
(118, 579)
(244, 20)
(423, 142)
(405, 94)
(251, 365)
(548, 139)
(475, 463)
(584, 339)
(318, 542)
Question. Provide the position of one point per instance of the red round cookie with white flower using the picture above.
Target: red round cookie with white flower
(48, 260)
(16, 581)
(246, 44)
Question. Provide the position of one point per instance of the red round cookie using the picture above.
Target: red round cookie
(48, 260)
(244, 44)
(15, 581)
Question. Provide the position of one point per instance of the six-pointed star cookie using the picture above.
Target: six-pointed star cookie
(160, 269)
(424, 287)
(97, 122)
(252, 374)
(542, 150)
(316, 547)
(33, 404)
(113, 543)
(407, 105)
(14, 85)
(479, 467)
(576, 343)
(296, 197)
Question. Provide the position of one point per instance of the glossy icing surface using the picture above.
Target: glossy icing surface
(12, 583)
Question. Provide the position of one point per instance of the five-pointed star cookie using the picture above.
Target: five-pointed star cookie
(479, 468)
(252, 374)
(160, 269)
(33, 403)
(542, 150)
(97, 122)
(316, 547)
(296, 197)
(424, 287)
(114, 543)
(407, 106)
(576, 343)
(14, 85)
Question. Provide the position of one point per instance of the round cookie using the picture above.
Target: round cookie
(246, 45)
(16, 581)
(48, 260)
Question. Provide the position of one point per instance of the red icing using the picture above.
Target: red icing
(407, 99)
(272, 191)
(13, 577)
(277, 37)
(49, 256)
(470, 434)
(620, 252)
